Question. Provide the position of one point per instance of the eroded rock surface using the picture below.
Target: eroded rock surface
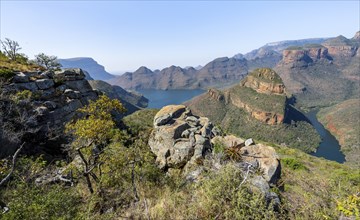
(179, 137)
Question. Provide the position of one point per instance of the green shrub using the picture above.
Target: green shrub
(6, 74)
(293, 164)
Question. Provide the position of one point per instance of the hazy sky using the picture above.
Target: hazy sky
(124, 35)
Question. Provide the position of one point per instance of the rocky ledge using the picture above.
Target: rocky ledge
(55, 97)
(185, 142)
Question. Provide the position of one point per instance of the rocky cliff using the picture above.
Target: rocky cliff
(54, 98)
(257, 107)
(309, 72)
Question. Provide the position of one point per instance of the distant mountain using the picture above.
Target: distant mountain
(219, 72)
(271, 53)
(88, 64)
(257, 107)
(131, 101)
(322, 74)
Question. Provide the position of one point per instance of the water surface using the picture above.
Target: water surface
(329, 148)
(161, 98)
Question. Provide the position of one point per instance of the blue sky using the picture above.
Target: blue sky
(124, 35)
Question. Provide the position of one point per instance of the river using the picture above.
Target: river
(329, 148)
(160, 98)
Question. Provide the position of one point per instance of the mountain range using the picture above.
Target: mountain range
(223, 72)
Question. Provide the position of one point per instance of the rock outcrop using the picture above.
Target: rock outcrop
(183, 141)
(179, 137)
(264, 80)
(55, 98)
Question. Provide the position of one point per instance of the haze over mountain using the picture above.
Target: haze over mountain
(223, 72)
(218, 72)
(88, 64)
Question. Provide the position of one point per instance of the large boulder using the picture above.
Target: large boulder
(267, 159)
(179, 137)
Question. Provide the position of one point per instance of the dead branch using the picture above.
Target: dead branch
(3, 181)
(249, 165)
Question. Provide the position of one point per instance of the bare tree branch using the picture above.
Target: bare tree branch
(3, 181)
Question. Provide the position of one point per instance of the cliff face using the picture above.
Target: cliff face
(257, 107)
(309, 72)
(261, 94)
(47, 101)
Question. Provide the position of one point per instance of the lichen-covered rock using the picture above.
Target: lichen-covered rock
(69, 74)
(44, 83)
(267, 159)
(179, 137)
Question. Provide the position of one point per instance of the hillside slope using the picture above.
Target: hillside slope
(309, 72)
(257, 108)
(343, 121)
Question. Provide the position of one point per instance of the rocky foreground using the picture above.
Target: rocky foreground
(185, 142)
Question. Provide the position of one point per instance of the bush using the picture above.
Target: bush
(293, 164)
(6, 74)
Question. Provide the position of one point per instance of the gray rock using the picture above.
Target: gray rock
(185, 134)
(20, 78)
(260, 183)
(72, 94)
(47, 94)
(26, 86)
(216, 131)
(82, 86)
(70, 74)
(50, 105)
(162, 119)
(44, 83)
(42, 110)
(61, 88)
(249, 142)
(72, 106)
(173, 141)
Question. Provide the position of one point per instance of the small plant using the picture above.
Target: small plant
(350, 206)
(293, 164)
(6, 74)
(219, 147)
(22, 95)
(233, 153)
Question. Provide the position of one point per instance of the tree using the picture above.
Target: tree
(10, 48)
(92, 133)
(49, 62)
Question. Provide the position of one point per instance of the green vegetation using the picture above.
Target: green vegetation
(294, 48)
(259, 101)
(266, 75)
(131, 186)
(343, 121)
(313, 46)
(292, 163)
(315, 192)
(11, 60)
(48, 62)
